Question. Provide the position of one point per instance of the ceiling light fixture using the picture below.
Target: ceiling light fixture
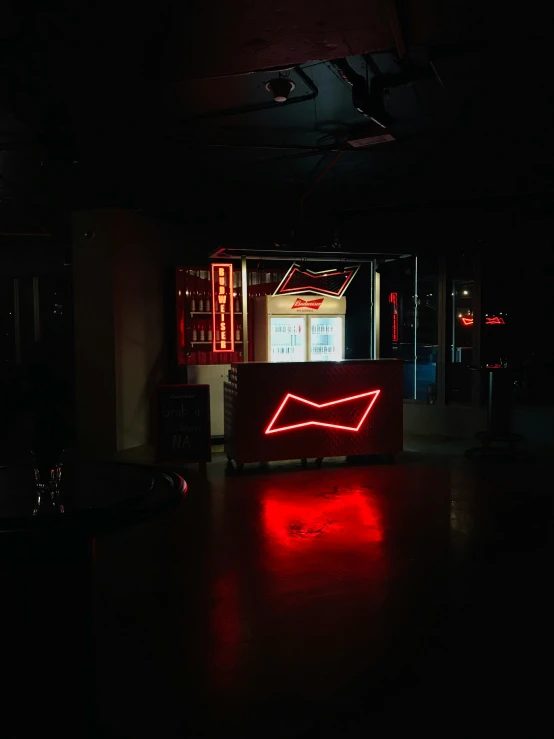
(280, 88)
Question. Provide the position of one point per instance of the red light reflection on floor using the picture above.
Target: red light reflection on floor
(225, 627)
(349, 517)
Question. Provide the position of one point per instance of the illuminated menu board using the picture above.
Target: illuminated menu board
(223, 334)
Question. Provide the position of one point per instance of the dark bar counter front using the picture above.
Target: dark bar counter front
(303, 410)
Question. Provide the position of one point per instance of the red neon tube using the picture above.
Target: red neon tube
(223, 317)
(369, 399)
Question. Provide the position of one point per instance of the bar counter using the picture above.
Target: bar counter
(304, 410)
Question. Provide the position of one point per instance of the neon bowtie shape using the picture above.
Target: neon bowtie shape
(347, 413)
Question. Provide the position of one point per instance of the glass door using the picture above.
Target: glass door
(325, 338)
(287, 339)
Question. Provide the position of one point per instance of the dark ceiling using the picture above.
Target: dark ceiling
(162, 109)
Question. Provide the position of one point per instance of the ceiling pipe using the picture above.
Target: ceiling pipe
(318, 180)
(303, 149)
(269, 147)
(21, 233)
(314, 92)
(396, 28)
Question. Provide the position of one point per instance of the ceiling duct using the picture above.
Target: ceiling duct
(368, 99)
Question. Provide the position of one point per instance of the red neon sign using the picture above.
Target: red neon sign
(357, 406)
(327, 282)
(489, 320)
(393, 298)
(223, 318)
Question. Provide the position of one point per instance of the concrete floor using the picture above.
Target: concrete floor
(340, 601)
(332, 602)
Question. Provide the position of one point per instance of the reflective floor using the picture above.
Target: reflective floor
(309, 603)
(318, 602)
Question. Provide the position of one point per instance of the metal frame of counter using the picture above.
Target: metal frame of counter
(304, 410)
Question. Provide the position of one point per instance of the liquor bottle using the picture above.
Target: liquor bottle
(202, 332)
(209, 333)
(193, 291)
(194, 333)
(237, 305)
(201, 283)
(208, 305)
(237, 334)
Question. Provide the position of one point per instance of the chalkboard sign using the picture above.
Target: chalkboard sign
(183, 423)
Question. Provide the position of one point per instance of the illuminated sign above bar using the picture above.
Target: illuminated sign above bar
(393, 299)
(223, 333)
(328, 282)
(489, 321)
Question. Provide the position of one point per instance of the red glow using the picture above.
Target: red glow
(350, 517)
(223, 316)
(371, 398)
(489, 321)
(311, 278)
(182, 329)
(393, 298)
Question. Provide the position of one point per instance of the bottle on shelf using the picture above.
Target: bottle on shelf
(201, 284)
(237, 305)
(194, 333)
(237, 334)
(209, 333)
(193, 291)
(202, 333)
(208, 305)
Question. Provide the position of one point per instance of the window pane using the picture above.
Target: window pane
(459, 354)
(427, 329)
(398, 316)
